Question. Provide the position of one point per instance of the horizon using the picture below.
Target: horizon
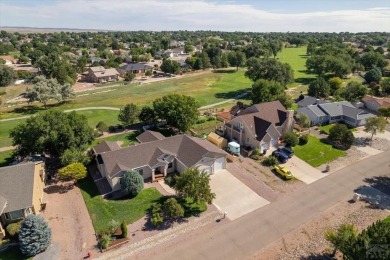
(219, 15)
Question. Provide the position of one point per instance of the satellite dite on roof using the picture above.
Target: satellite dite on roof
(234, 148)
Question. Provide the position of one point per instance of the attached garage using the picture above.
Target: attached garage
(219, 164)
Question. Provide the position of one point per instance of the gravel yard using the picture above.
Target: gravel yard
(261, 179)
(308, 241)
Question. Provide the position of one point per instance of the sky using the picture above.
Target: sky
(221, 15)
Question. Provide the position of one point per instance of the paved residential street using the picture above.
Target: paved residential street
(245, 236)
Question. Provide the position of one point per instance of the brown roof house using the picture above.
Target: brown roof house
(21, 192)
(260, 125)
(101, 75)
(135, 68)
(374, 103)
(156, 156)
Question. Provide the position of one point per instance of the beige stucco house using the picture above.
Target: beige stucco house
(21, 192)
(260, 125)
(156, 156)
(101, 75)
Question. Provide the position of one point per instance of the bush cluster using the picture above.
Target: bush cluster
(303, 139)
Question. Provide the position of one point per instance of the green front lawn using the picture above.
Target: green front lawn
(326, 128)
(128, 210)
(126, 138)
(206, 127)
(316, 152)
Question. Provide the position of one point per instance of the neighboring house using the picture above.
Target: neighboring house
(156, 156)
(260, 126)
(21, 192)
(135, 68)
(373, 103)
(309, 100)
(328, 113)
(101, 75)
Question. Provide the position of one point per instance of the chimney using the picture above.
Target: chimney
(289, 123)
(317, 101)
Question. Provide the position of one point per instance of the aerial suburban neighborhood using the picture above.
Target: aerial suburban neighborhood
(194, 130)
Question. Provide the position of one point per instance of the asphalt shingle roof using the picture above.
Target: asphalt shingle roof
(135, 66)
(17, 185)
(149, 136)
(309, 100)
(3, 203)
(188, 150)
(106, 146)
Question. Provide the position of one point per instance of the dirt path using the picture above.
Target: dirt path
(72, 229)
(7, 148)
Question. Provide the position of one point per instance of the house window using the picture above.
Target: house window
(18, 214)
(170, 165)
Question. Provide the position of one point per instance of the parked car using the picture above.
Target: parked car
(286, 150)
(281, 156)
(284, 172)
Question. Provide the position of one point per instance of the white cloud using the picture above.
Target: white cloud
(187, 15)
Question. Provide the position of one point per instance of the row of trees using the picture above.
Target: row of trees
(179, 111)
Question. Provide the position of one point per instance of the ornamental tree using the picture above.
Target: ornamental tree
(34, 235)
(75, 171)
(132, 182)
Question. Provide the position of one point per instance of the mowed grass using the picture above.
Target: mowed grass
(103, 211)
(297, 57)
(205, 87)
(5, 129)
(326, 128)
(316, 152)
(125, 138)
(6, 158)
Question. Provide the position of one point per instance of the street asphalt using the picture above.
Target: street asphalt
(245, 236)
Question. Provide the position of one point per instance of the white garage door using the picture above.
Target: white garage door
(204, 168)
(219, 164)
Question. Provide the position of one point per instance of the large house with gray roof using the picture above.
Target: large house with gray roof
(156, 156)
(21, 192)
(259, 126)
(332, 112)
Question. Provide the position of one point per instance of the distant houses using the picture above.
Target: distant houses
(321, 112)
(135, 68)
(101, 75)
(374, 103)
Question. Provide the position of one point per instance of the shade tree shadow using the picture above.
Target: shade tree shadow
(234, 94)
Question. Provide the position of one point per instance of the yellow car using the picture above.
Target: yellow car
(286, 174)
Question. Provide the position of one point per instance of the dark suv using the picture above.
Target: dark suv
(281, 156)
(286, 150)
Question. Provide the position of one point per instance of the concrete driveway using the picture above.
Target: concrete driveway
(361, 133)
(303, 171)
(234, 197)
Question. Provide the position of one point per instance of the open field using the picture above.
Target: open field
(5, 128)
(297, 57)
(205, 87)
(103, 211)
(316, 152)
(5, 158)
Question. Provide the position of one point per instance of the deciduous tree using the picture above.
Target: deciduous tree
(269, 69)
(128, 114)
(340, 135)
(170, 66)
(373, 75)
(194, 184)
(266, 90)
(7, 76)
(384, 111)
(375, 125)
(75, 171)
(319, 88)
(178, 110)
(147, 115)
(172, 209)
(52, 132)
(354, 91)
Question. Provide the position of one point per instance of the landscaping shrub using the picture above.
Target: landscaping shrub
(303, 139)
(34, 235)
(124, 229)
(111, 129)
(170, 181)
(156, 217)
(290, 139)
(255, 155)
(269, 161)
(73, 155)
(102, 127)
(172, 209)
(105, 241)
(211, 118)
(113, 226)
(201, 120)
(13, 229)
(132, 183)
